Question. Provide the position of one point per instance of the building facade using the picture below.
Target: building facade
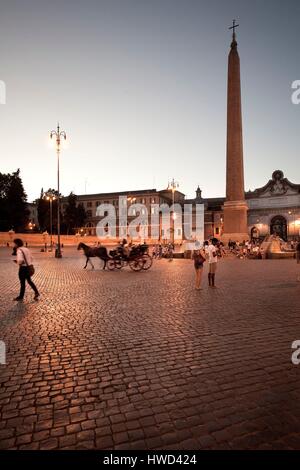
(273, 208)
(148, 198)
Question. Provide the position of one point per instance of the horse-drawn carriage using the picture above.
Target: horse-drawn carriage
(137, 257)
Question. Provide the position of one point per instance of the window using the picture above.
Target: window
(89, 213)
(98, 203)
(89, 204)
(143, 201)
(217, 231)
(153, 200)
(152, 210)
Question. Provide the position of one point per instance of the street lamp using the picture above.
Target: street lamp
(172, 187)
(50, 197)
(131, 199)
(58, 134)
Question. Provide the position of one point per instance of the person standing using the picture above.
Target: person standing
(199, 260)
(24, 261)
(170, 251)
(212, 262)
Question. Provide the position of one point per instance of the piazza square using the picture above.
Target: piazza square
(127, 360)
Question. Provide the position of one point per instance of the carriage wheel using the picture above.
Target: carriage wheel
(147, 262)
(111, 264)
(136, 264)
(119, 264)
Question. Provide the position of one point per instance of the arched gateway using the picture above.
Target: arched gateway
(278, 226)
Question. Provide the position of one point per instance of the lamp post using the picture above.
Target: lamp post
(172, 187)
(50, 197)
(131, 200)
(58, 134)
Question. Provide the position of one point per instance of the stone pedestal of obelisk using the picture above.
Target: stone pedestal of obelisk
(235, 206)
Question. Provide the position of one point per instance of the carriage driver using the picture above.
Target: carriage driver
(125, 248)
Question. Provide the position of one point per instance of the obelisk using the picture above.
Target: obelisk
(235, 206)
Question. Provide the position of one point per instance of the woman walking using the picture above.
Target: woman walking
(199, 259)
(24, 260)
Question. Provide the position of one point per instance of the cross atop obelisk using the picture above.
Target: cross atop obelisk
(233, 27)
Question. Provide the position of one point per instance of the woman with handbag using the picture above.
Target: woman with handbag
(199, 260)
(26, 269)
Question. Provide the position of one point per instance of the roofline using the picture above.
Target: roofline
(117, 193)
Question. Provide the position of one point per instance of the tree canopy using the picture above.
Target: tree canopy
(14, 213)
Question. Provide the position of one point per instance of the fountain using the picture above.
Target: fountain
(275, 247)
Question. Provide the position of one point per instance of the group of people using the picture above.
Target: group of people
(245, 249)
(210, 252)
(163, 251)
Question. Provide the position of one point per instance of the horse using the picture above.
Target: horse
(93, 252)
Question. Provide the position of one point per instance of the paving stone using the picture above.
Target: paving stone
(141, 360)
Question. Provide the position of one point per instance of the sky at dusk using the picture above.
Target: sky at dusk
(140, 88)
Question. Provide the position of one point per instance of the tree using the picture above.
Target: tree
(43, 210)
(70, 212)
(81, 215)
(74, 214)
(13, 203)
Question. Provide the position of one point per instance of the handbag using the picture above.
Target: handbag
(199, 261)
(29, 266)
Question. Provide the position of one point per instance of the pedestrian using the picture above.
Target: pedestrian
(26, 270)
(298, 257)
(199, 260)
(170, 251)
(212, 262)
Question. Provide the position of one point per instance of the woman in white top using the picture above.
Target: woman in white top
(24, 260)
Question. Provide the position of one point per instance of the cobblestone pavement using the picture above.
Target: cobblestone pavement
(123, 360)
